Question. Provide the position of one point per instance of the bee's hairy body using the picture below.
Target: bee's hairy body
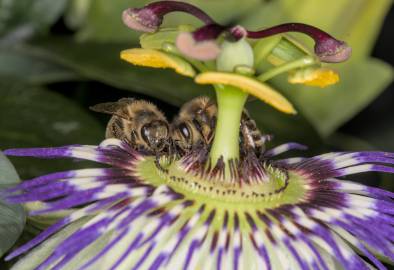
(251, 136)
(138, 122)
(195, 124)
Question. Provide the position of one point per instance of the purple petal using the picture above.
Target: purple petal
(284, 148)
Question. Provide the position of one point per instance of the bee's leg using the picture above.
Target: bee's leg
(157, 163)
(168, 151)
(267, 137)
(174, 152)
(262, 149)
(201, 151)
(171, 151)
(178, 151)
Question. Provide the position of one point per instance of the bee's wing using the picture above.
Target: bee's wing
(126, 101)
(107, 107)
(113, 108)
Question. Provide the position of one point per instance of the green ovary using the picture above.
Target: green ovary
(279, 188)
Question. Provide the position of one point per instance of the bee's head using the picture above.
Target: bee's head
(156, 134)
(183, 135)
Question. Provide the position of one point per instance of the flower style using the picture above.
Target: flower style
(221, 205)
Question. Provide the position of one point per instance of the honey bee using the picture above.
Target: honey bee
(251, 138)
(137, 122)
(195, 124)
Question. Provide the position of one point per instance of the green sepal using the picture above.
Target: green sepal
(263, 47)
(278, 50)
(288, 49)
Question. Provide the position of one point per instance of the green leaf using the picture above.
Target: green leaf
(328, 108)
(76, 13)
(12, 216)
(34, 117)
(104, 22)
(22, 65)
(8, 174)
(101, 62)
(40, 253)
(22, 18)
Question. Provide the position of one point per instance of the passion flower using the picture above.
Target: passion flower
(283, 214)
(220, 205)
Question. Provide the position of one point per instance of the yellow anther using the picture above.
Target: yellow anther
(157, 59)
(320, 77)
(253, 87)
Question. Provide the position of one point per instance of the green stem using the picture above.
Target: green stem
(231, 101)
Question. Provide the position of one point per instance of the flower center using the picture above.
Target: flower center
(274, 187)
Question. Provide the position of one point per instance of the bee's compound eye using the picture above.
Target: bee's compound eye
(154, 133)
(146, 133)
(185, 131)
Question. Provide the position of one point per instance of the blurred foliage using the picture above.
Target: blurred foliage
(12, 217)
(24, 64)
(20, 19)
(100, 61)
(58, 57)
(34, 116)
(356, 22)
